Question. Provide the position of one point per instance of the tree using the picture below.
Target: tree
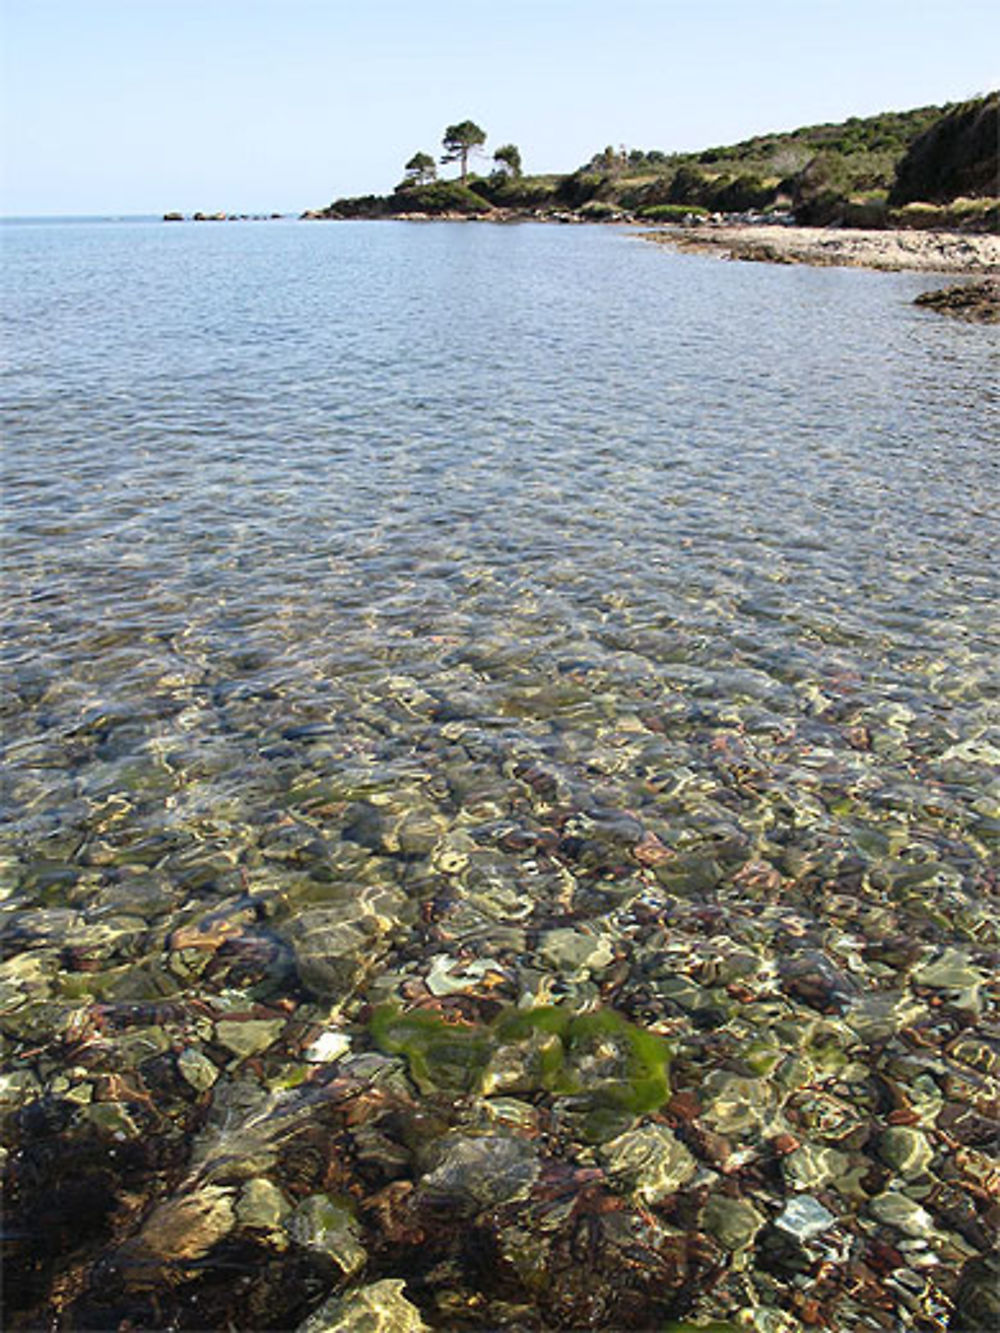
(420, 169)
(459, 141)
(509, 157)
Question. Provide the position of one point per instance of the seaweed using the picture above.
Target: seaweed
(597, 1054)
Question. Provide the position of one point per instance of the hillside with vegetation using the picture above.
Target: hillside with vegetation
(955, 156)
(932, 166)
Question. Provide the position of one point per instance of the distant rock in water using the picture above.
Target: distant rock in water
(223, 217)
(976, 302)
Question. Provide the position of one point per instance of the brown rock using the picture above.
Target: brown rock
(975, 302)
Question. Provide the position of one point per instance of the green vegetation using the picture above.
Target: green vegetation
(822, 173)
(522, 192)
(868, 172)
(599, 1055)
(459, 141)
(508, 158)
(420, 169)
(442, 1056)
(959, 215)
(955, 156)
(671, 212)
(439, 197)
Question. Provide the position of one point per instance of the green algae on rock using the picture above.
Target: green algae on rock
(598, 1056)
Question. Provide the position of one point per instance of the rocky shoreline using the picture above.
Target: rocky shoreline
(892, 251)
(974, 302)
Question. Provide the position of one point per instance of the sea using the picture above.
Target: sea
(411, 625)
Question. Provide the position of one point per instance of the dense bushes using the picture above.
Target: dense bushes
(359, 206)
(895, 169)
(438, 197)
(832, 174)
(671, 212)
(959, 155)
(516, 191)
(689, 186)
(598, 210)
(866, 210)
(959, 215)
(579, 188)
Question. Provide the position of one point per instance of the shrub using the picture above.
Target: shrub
(689, 186)
(960, 215)
(598, 210)
(739, 195)
(439, 197)
(520, 192)
(672, 212)
(819, 194)
(975, 214)
(919, 215)
(866, 210)
(578, 188)
(360, 206)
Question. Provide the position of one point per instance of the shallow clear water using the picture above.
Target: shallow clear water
(296, 461)
(520, 533)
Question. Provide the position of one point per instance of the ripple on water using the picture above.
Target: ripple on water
(580, 652)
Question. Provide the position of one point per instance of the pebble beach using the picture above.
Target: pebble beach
(891, 251)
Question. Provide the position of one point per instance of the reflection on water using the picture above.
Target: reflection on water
(500, 808)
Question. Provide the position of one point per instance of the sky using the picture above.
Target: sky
(143, 106)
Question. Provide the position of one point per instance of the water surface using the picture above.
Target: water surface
(538, 581)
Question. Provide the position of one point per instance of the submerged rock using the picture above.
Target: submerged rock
(906, 1150)
(471, 1174)
(327, 1047)
(380, 1308)
(977, 1298)
(197, 1069)
(328, 1227)
(733, 1222)
(337, 944)
(803, 1218)
(262, 1205)
(811, 1166)
(245, 1037)
(178, 1233)
(902, 1213)
(650, 1162)
(574, 953)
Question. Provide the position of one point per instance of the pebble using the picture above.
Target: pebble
(329, 1227)
(810, 1166)
(899, 1211)
(186, 1227)
(576, 953)
(448, 976)
(197, 1069)
(907, 1151)
(651, 1161)
(248, 1036)
(733, 1222)
(804, 1218)
(473, 1173)
(262, 1205)
(379, 1308)
(327, 1047)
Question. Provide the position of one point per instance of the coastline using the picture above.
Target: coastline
(889, 251)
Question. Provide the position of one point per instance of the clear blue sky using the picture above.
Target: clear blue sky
(132, 106)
